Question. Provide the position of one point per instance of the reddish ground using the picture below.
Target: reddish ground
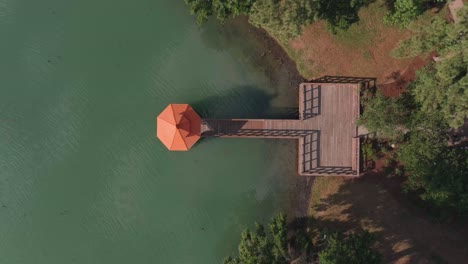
(325, 55)
(397, 82)
(361, 51)
(405, 234)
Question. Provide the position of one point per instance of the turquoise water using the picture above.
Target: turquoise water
(83, 178)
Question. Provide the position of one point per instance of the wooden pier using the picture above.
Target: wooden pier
(326, 131)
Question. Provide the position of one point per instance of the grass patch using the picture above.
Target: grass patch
(323, 187)
(362, 50)
(362, 33)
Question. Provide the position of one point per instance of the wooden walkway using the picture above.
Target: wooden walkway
(326, 130)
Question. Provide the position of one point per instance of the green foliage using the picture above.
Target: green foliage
(435, 171)
(404, 12)
(442, 86)
(368, 150)
(223, 9)
(440, 35)
(429, 38)
(355, 248)
(201, 8)
(282, 19)
(259, 248)
(340, 14)
(386, 116)
(279, 237)
(231, 8)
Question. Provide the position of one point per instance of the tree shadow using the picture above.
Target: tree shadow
(375, 202)
(341, 14)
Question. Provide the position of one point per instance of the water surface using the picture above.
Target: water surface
(83, 178)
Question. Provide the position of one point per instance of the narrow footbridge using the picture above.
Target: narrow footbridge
(326, 131)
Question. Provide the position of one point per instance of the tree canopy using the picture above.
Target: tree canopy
(355, 248)
(258, 247)
(275, 247)
(386, 116)
(442, 86)
(283, 19)
(436, 171)
(340, 14)
(223, 9)
(404, 11)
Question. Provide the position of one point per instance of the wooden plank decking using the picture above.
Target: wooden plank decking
(326, 129)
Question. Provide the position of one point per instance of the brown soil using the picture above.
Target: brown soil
(328, 56)
(405, 234)
(398, 81)
(362, 51)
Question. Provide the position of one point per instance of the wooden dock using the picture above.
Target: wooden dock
(328, 142)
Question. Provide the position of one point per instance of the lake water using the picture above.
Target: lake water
(83, 179)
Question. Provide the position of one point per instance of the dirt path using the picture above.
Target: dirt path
(404, 233)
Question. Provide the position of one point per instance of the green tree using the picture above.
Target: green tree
(429, 38)
(386, 116)
(258, 247)
(231, 8)
(355, 248)
(223, 9)
(201, 8)
(437, 172)
(404, 12)
(442, 86)
(340, 14)
(440, 35)
(283, 19)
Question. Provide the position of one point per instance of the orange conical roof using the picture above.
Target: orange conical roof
(178, 127)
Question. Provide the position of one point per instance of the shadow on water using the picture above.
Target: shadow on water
(243, 102)
(257, 50)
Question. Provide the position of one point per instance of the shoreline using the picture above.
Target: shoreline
(282, 71)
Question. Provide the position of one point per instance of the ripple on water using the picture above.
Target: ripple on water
(63, 120)
(7, 11)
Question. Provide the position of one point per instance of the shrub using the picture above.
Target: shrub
(340, 14)
(435, 171)
(386, 116)
(282, 19)
(355, 248)
(223, 9)
(404, 12)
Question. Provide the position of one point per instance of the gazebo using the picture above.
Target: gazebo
(178, 127)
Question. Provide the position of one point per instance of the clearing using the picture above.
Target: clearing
(363, 50)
